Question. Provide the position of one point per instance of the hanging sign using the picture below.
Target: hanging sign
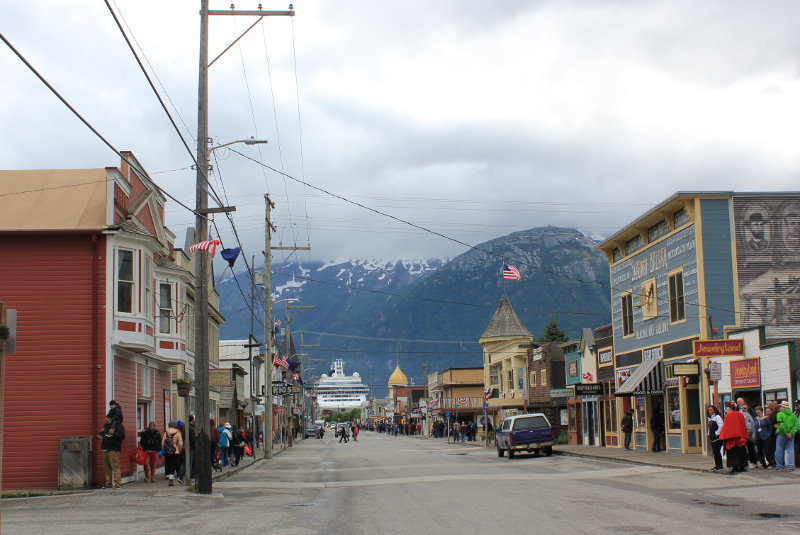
(280, 388)
(714, 371)
(686, 368)
(588, 389)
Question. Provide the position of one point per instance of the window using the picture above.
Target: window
(520, 378)
(124, 281)
(189, 322)
(164, 307)
(147, 282)
(146, 382)
(573, 368)
(494, 375)
(510, 375)
(656, 231)
(142, 414)
(634, 244)
(680, 218)
(627, 314)
(674, 400)
(616, 254)
(543, 375)
(533, 379)
(676, 304)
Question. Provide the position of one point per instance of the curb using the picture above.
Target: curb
(626, 460)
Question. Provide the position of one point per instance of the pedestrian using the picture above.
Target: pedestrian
(224, 443)
(355, 433)
(784, 438)
(657, 428)
(627, 427)
(114, 412)
(213, 435)
(237, 444)
(192, 444)
(713, 427)
(172, 444)
(112, 435)
(751, 430)
(734, 433)
(150, 442)
(763, 430)
(343, 434)
(772, 413)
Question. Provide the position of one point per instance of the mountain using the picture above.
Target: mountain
(389, 309)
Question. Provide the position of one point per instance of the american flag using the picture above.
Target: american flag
(280, 361)
(433, 402)
(510, 273)
(462, 401)
(205, 246)
(487, 393)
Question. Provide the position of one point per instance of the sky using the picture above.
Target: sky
(469, 119)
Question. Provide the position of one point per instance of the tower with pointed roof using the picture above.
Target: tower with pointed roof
(505, 342)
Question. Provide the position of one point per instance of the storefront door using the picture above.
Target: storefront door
(691, 417)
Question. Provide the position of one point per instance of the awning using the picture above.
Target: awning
(647, 379)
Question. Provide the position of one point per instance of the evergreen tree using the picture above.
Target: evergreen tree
(553, 333)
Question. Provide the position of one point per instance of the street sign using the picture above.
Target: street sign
(280, 388)
(447, 415)
(714, 371)
(560, 392)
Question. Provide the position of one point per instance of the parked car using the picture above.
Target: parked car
(531, 433)
(312, 430)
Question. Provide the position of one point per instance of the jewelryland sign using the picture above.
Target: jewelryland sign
(719, 348)
(745, 373)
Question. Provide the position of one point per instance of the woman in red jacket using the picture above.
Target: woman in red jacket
(734, 433)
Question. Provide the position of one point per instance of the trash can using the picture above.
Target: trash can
(75, 463)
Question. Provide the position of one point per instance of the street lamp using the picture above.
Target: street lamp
(250, 141)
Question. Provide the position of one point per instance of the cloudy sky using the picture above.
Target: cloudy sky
(472, 119)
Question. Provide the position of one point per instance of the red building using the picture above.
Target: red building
(104, 311)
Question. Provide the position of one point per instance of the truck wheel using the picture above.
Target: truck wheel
(510, 453)
(548, 450)
(536, 453)
(500, 452)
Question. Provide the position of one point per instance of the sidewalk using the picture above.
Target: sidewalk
(695, 462)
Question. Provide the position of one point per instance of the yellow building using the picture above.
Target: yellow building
(505, 343)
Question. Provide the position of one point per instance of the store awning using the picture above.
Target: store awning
(646, 379)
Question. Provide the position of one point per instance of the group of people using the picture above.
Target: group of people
(750, 438)
(170, 445)
(345, 430)
(457, 431)
(399, 429)
(228, 444)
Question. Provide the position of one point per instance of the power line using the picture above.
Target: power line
(92, 128)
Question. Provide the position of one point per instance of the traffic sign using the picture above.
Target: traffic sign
(714, 371)
(447, 415)
(485, 404)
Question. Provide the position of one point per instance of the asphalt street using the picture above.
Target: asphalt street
(399, 485)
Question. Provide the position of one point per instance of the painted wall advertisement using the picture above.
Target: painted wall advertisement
(745, 373)
(768, 253)
(646, 276)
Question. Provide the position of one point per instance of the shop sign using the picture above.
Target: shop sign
(221, 377)
(605, 357)
(745, 373)
(653, 353)
(686, 368)
(719, 348)
(560, 392)
(588, 389)
(280, 388)
(670, 382)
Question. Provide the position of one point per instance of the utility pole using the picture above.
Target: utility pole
(252, 342)
(203, 449)
(269, 341)
(303, 397)
(289, 320)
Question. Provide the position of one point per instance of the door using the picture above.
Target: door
(692, 416)
(589, 423)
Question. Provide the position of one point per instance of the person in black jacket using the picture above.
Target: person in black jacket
(112, 435)
(115, 412)
(151, 444)
(627, 427)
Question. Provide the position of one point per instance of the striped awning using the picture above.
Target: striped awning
(647, 379)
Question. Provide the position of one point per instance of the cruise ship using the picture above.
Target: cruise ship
(339, 392)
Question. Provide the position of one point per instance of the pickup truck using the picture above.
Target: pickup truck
(525, 432)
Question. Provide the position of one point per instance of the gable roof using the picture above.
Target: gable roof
(505, 323)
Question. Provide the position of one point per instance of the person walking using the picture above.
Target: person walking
(627, 427)
(784, 438)
(224, 443)
(172, 444)
(343, 434)
(734, 433)
(112, 435)
(150, 442)
(213, 437)
(714, 426)
(355, 432)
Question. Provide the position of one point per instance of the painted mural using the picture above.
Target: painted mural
(768, 254)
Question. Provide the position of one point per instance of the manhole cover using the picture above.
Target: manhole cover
(771, 515)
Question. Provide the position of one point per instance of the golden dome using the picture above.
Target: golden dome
(398, 377)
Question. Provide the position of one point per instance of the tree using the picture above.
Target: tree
(553, 333)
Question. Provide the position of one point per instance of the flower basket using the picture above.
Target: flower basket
(184, 387)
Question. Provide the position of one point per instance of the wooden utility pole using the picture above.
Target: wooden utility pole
(203, 448)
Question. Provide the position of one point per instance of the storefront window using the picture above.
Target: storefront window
(777, 396)
(674, 404)
(641, 415)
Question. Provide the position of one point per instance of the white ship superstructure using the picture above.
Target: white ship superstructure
(340, 392)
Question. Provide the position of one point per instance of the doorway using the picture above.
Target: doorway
(656, 423)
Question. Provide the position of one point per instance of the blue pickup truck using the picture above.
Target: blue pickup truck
(531, 433)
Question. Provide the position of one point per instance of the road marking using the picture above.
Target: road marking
(573, 476)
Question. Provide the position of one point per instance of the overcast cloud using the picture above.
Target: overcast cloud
(474, 119)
